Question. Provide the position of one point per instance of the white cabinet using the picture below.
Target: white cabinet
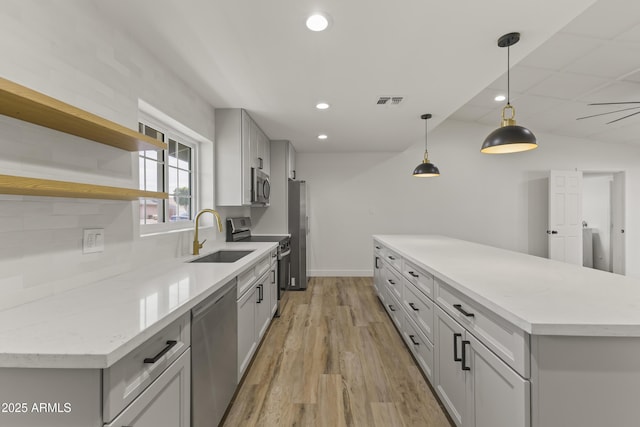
(240, 145)
(263, 305)
(257, 300)
(273, 285)
(166, 402)
(450, 378)
(247, 342)
(476, 387)
(233, 157)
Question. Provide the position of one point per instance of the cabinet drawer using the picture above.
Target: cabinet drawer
(419, 277)
(393, 282)
(420, 346)
(165, 402)
(510, 343)
(245, 280)
(419, 308)
(393, 258)
(128, 377)
(392, 305)
(378, 249)
(263, 265)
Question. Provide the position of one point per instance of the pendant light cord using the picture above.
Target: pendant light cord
(426, 152)
(508, 76)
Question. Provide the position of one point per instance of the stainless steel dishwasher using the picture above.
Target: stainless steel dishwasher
(214, 356)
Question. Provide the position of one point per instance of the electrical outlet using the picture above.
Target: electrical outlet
(93, 240)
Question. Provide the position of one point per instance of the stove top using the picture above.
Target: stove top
(239, 230)
(269, 238)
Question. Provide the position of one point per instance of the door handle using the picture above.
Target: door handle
(377, 259)
(273, 279)
(154, 359)
(391, 281)
(391, 308)
(413, 306)
(462, 310)
(413, 341)
(464, 356)
(552, 231)
(260, 160)
(412, 274)
(456, 358)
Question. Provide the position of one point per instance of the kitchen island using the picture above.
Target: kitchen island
(508, 339)
(76, 358)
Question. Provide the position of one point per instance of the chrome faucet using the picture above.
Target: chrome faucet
(196, 244)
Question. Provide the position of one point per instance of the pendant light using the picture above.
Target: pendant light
(509, 137)
(426, 169)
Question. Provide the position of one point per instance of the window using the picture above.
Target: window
(170, 171)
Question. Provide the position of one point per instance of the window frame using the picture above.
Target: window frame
(170, 133)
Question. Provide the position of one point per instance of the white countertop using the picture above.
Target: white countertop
(538, 295)
(96, 325)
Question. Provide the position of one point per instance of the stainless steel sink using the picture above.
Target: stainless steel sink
(223, 256)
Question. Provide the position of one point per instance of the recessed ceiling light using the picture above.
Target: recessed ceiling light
(499, 98)
(322, 105)
(317, 22)
(322, 136)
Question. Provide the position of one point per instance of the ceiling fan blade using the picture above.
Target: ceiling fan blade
(609, 112)
(615, 103)
(617, 120)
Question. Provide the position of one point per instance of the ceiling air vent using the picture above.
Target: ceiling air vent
(390, 100)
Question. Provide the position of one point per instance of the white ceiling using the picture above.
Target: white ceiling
(443, 59)
(595, 58)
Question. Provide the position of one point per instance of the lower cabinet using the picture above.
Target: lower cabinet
(273, 287)
(255, 311)
(476, 387)
(247, 342)
(166, 402)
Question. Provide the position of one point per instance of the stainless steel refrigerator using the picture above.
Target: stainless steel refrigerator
(299, 229)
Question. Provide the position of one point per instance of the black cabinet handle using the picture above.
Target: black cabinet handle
(391, 308)
(413, 341)
(294, 174)
(377, 259)
(154, 359)
(552, 231)
(464, 356)
(377, 247)
(259, 294)
(391, 258)
(412, 305)
(273, 278)
(456, 358)
(462, 310)
(391, 281)
(414, 274)
(260, 160)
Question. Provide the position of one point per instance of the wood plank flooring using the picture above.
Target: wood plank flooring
(334, 358)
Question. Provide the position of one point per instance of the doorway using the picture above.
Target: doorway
(587, 219)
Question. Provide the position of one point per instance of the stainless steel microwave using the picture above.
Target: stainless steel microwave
(260, 188)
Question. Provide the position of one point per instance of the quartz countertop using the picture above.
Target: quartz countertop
(95, 325)
(538, 295)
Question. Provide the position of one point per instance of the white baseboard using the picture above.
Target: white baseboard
(340, 273)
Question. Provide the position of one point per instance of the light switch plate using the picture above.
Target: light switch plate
(93, 240)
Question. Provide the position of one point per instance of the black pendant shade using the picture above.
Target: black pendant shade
(426, 169)
(509, 137)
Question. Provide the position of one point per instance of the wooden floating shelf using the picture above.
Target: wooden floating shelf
(26, 104)
(45, 187)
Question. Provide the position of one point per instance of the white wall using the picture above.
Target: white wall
(66, 50)
(496, 200)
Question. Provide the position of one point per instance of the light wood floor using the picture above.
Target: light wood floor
(334, 358)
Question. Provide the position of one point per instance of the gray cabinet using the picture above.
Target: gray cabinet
(247, 342)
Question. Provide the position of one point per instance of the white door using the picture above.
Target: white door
(618, 252)
(565, 216)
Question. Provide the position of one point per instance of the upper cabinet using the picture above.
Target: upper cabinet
(291, 161)
(240, 146)
(28, 105)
